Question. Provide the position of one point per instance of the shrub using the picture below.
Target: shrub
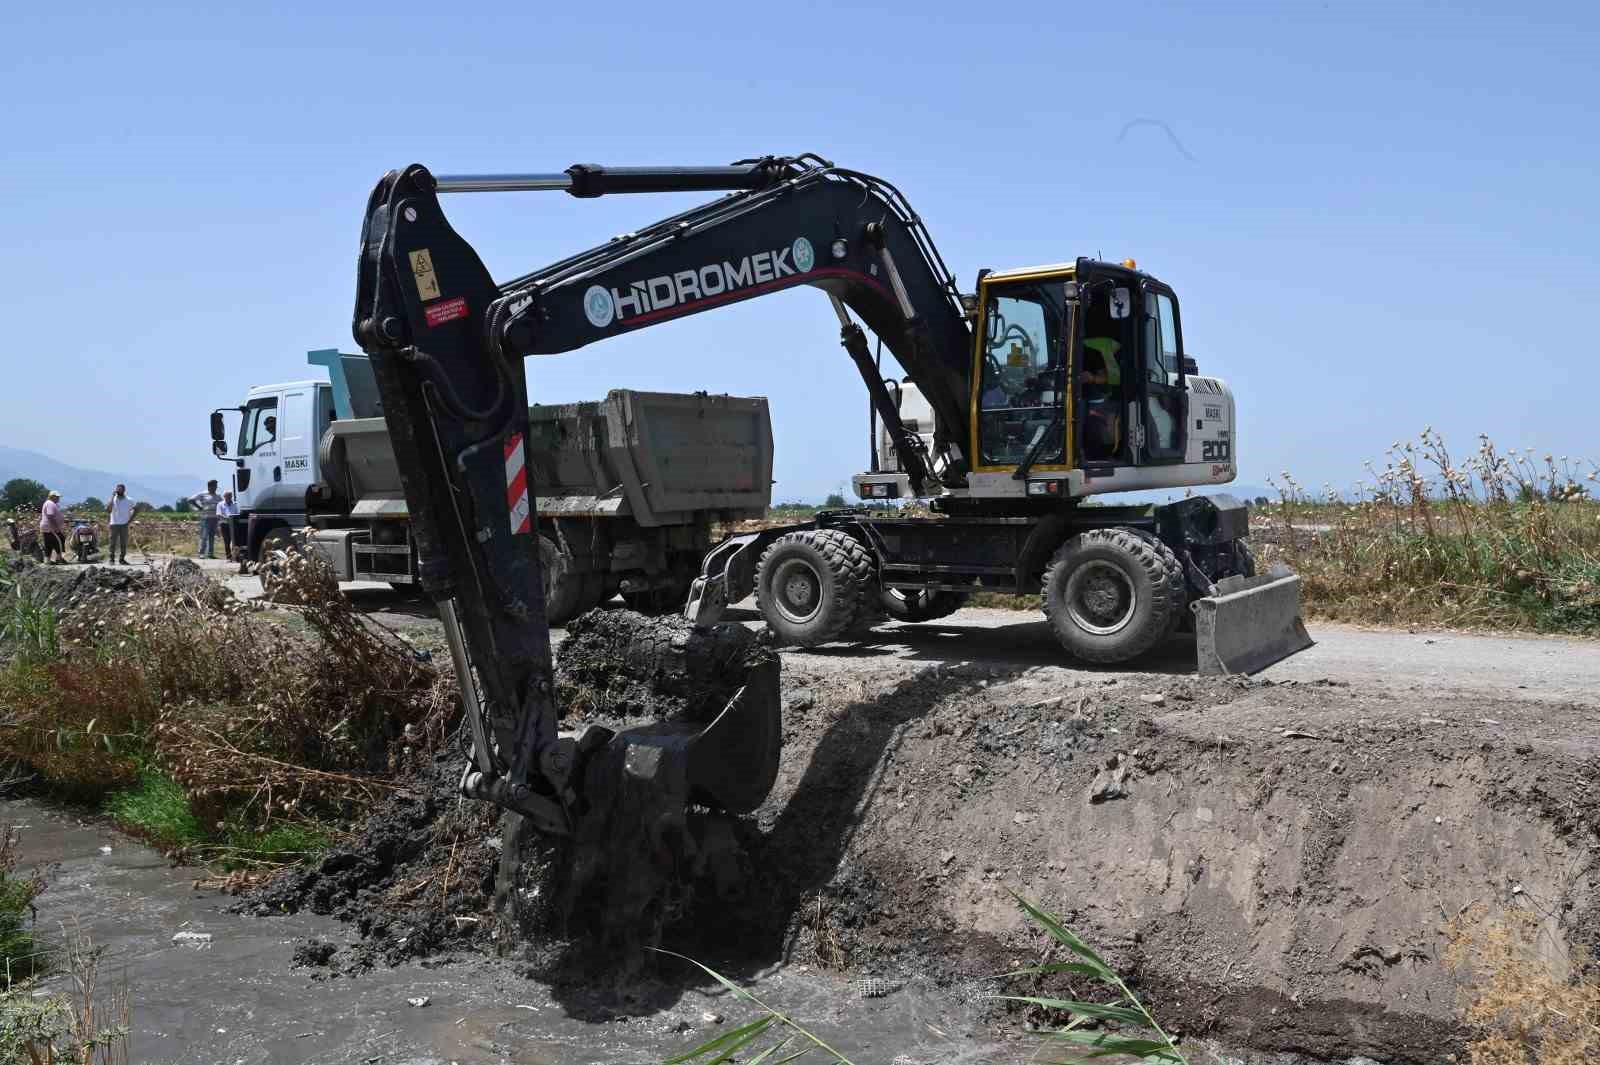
(79, 725)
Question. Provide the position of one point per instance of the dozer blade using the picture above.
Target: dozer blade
(1250, 623)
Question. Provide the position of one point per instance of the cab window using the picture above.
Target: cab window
(1161, 338)
(1021, 378)
(260, 426)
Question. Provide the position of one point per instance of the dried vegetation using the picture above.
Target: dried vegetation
(1525, 1007)
(1501, 539)
(210, 724)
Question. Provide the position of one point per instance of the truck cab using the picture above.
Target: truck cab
(273, 452)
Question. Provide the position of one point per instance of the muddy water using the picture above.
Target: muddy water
(237, 999)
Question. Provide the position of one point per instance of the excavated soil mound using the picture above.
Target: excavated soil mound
(619, 666)
(68, 587)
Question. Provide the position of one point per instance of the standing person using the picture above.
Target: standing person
(119, 515)
(206, 503)
(53, 530)
(227, 510)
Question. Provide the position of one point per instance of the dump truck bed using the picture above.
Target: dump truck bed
(659, 458)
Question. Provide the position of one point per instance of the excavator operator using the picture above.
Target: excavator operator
(1102, 390)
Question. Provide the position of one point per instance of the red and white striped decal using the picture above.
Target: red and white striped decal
(517, 486)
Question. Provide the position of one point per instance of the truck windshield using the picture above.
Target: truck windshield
(260, 425)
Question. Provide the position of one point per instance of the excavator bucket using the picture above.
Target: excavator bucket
(1250, 623)
(684, 734)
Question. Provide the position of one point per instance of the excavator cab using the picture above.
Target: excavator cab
(1080, 386)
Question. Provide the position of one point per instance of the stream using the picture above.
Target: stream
(237, 999)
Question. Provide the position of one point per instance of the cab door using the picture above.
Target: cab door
(1163, 395)
(1020, 380)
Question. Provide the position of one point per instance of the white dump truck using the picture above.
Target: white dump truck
(630, 489)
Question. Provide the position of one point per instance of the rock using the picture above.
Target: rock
(711, 1017)
(1110, 782)
(197, 940)
(1391, 954)
(946, 857)
(419, 1001)
(1153, 698)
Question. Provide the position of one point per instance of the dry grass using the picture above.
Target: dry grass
(1499, 540)
(151, 532)
(258, 717)
(266, 727)
(1525, 1008)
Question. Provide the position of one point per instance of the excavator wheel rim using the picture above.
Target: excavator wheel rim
(1096, 579)
(797, 591)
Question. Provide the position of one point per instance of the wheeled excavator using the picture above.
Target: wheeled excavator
(1046, 387)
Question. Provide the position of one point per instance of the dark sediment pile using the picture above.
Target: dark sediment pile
(416, 880)
(420, 876)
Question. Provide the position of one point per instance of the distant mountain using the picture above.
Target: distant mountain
(75, 483)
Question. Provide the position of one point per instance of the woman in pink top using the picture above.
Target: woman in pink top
(53, 530)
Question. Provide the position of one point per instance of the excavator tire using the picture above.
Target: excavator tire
(810, 586)
(905, 604)
(1112, 594)
(564, 586)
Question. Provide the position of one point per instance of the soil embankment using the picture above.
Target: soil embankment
(1275, 862)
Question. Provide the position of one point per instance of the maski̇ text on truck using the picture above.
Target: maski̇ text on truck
(630, 489)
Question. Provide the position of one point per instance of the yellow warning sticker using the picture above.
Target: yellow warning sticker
(427, 280)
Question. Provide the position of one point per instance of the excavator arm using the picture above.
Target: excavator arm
(447, 345)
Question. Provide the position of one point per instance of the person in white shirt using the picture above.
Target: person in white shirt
(227, 510)
(119, 516)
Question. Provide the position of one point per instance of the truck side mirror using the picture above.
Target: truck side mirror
(218, 435)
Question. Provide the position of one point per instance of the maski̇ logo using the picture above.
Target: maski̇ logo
(599, 306)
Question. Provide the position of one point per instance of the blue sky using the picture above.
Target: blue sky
(1377, 216)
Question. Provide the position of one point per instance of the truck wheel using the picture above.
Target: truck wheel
(809, 585)
(271, 557)
(563, 584)
(909, 604)
(1112, 594)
